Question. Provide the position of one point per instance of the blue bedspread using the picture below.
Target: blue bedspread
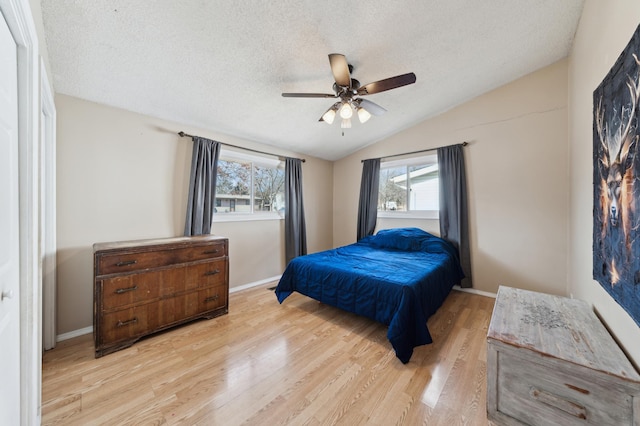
(398, 277)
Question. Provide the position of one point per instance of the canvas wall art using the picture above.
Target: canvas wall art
(616, 180)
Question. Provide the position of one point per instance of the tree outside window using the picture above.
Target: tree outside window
(249, 184)
(269, 189)
(392, 196)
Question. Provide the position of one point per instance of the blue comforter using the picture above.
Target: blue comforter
(398, 277)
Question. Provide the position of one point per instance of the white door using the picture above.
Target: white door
(9, 239)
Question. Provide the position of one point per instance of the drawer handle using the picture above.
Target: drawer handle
(560, 403)
(133, 320)
(124, 290)
(217, 271)
(212, 251)
(127, 263)
(211, 298)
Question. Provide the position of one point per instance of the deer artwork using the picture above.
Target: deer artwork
(616, 186)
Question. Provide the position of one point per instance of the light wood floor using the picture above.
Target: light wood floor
(299, 363)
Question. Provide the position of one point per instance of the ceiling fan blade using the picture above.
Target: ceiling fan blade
(308, 95)
(387, 84)
(340, 69)
(370, 107)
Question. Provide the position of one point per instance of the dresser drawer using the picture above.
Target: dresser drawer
(542, 394)
(135, 322)
(208, 274)
(212, 298)
(113, 263)
(126, 324)
(125, 290)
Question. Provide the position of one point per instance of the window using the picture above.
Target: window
(409, 187)
(249, 185)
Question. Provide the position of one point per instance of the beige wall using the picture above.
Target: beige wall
(124, 176)
(517, 175)
(604, 31)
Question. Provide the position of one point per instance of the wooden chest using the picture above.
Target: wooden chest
(141, 287)
(550, 361)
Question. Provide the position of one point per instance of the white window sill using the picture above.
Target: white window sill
(427, 214)
(246, 217)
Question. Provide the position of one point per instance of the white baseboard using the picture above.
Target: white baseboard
(254, 284)
(474, 291)
(74, 333)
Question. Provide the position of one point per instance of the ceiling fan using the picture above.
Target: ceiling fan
(349, 91)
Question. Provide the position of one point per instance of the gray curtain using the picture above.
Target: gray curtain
(202, 186)
(454, 221)
(368, 204)
(295, 231)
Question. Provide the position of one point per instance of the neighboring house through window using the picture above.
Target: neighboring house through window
(409, 187)
(249, 184)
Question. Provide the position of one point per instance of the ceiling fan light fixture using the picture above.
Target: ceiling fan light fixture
(329, 116)
(346, 123)
(346, 111)
(363, 115)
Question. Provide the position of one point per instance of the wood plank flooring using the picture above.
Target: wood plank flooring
(299, 363)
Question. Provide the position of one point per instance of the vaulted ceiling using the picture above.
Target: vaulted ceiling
(222, 65)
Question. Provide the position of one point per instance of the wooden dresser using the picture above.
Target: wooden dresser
(145, 286)
(550, 361)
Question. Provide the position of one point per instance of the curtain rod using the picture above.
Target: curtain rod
(416, 152)
(183, 134)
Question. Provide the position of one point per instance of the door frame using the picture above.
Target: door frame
(17, 14)
(48, 209)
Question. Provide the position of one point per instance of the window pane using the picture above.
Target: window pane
(232, 187)
(423, 181)
(393, 189)
(249, 184)
(268, 189)
(413, 186)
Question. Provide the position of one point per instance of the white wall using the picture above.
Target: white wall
(124, 176)
(517, 172)
(36, 11)
(604, 31)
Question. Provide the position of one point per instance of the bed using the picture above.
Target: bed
(398, 277)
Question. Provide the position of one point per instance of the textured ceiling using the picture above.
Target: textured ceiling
(222, 65)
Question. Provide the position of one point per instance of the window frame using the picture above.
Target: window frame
(227, 154)
(407, 162)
